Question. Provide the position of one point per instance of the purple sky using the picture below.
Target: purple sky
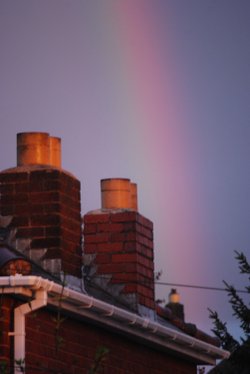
(156, 91)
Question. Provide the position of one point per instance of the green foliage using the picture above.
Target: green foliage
(100, 357)
(240, 310)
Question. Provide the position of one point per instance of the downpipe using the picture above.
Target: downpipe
(20, 313)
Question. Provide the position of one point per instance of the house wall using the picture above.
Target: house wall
(71, 349)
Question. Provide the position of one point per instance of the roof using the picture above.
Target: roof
(87, 307)
(161, 329)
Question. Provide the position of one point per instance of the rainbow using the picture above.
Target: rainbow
(159, 128)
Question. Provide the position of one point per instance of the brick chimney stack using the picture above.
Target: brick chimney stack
(44, 201)
(120, 242)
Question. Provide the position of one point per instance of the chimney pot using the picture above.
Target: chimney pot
(133, 196)
(55, 151)
(115, 193)
(33, 148)
(174, 304)
(38, 148)
(174, 297)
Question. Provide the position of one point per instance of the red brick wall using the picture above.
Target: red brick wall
(123, 244)
(45, 204)
(6, 326)
(74, 350)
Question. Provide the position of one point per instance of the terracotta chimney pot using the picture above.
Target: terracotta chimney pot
(133, 196)
(33, 148)
(115, 193)
(55, 151)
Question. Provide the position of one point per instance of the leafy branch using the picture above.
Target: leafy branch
(240, 310)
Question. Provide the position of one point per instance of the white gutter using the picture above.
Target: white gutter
(86, 306)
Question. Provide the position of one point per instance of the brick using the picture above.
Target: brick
(13, 177)
(103, 258)
(7, 188)
(145, 262)
(36, 185)
(22, 198)
(110, 247)
(44, 197)
(90, 248)
(118, 237)
(116, 268)
(96, 218)
(123, 258)
(131, 236)
(71, 236)
(71, 225)
(6, 210)
(130, 246)
(98, 238)
(52, 231)
(129, 226)
(46, 220)
(145, 221)
(29, 232)
(69, 181)
(22, 209)
(52, 185)
(110, 227)
(44, 173)
(144, 231)
(91, 228)
(70, 201)
(20, 221)
(52, 207)
(21, 187)
(125, 277)
(123, 216)
(130, 288)
(68, 211)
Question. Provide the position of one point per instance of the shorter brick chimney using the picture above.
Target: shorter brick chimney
(118, 245)
(44, 203)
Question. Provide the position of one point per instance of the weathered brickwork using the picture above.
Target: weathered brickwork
(123, 244)
(71, 350)
(45, 205)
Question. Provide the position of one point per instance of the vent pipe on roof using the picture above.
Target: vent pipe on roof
(118, 193)
(38, 148)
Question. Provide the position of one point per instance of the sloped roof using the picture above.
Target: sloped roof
(164, 330)
(132, 325)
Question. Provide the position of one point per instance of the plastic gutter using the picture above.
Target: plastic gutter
(47, 292)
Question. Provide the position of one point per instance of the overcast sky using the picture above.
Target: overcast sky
(152, 90)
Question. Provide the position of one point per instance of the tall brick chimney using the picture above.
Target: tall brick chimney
(118, 245)
(44, 201)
